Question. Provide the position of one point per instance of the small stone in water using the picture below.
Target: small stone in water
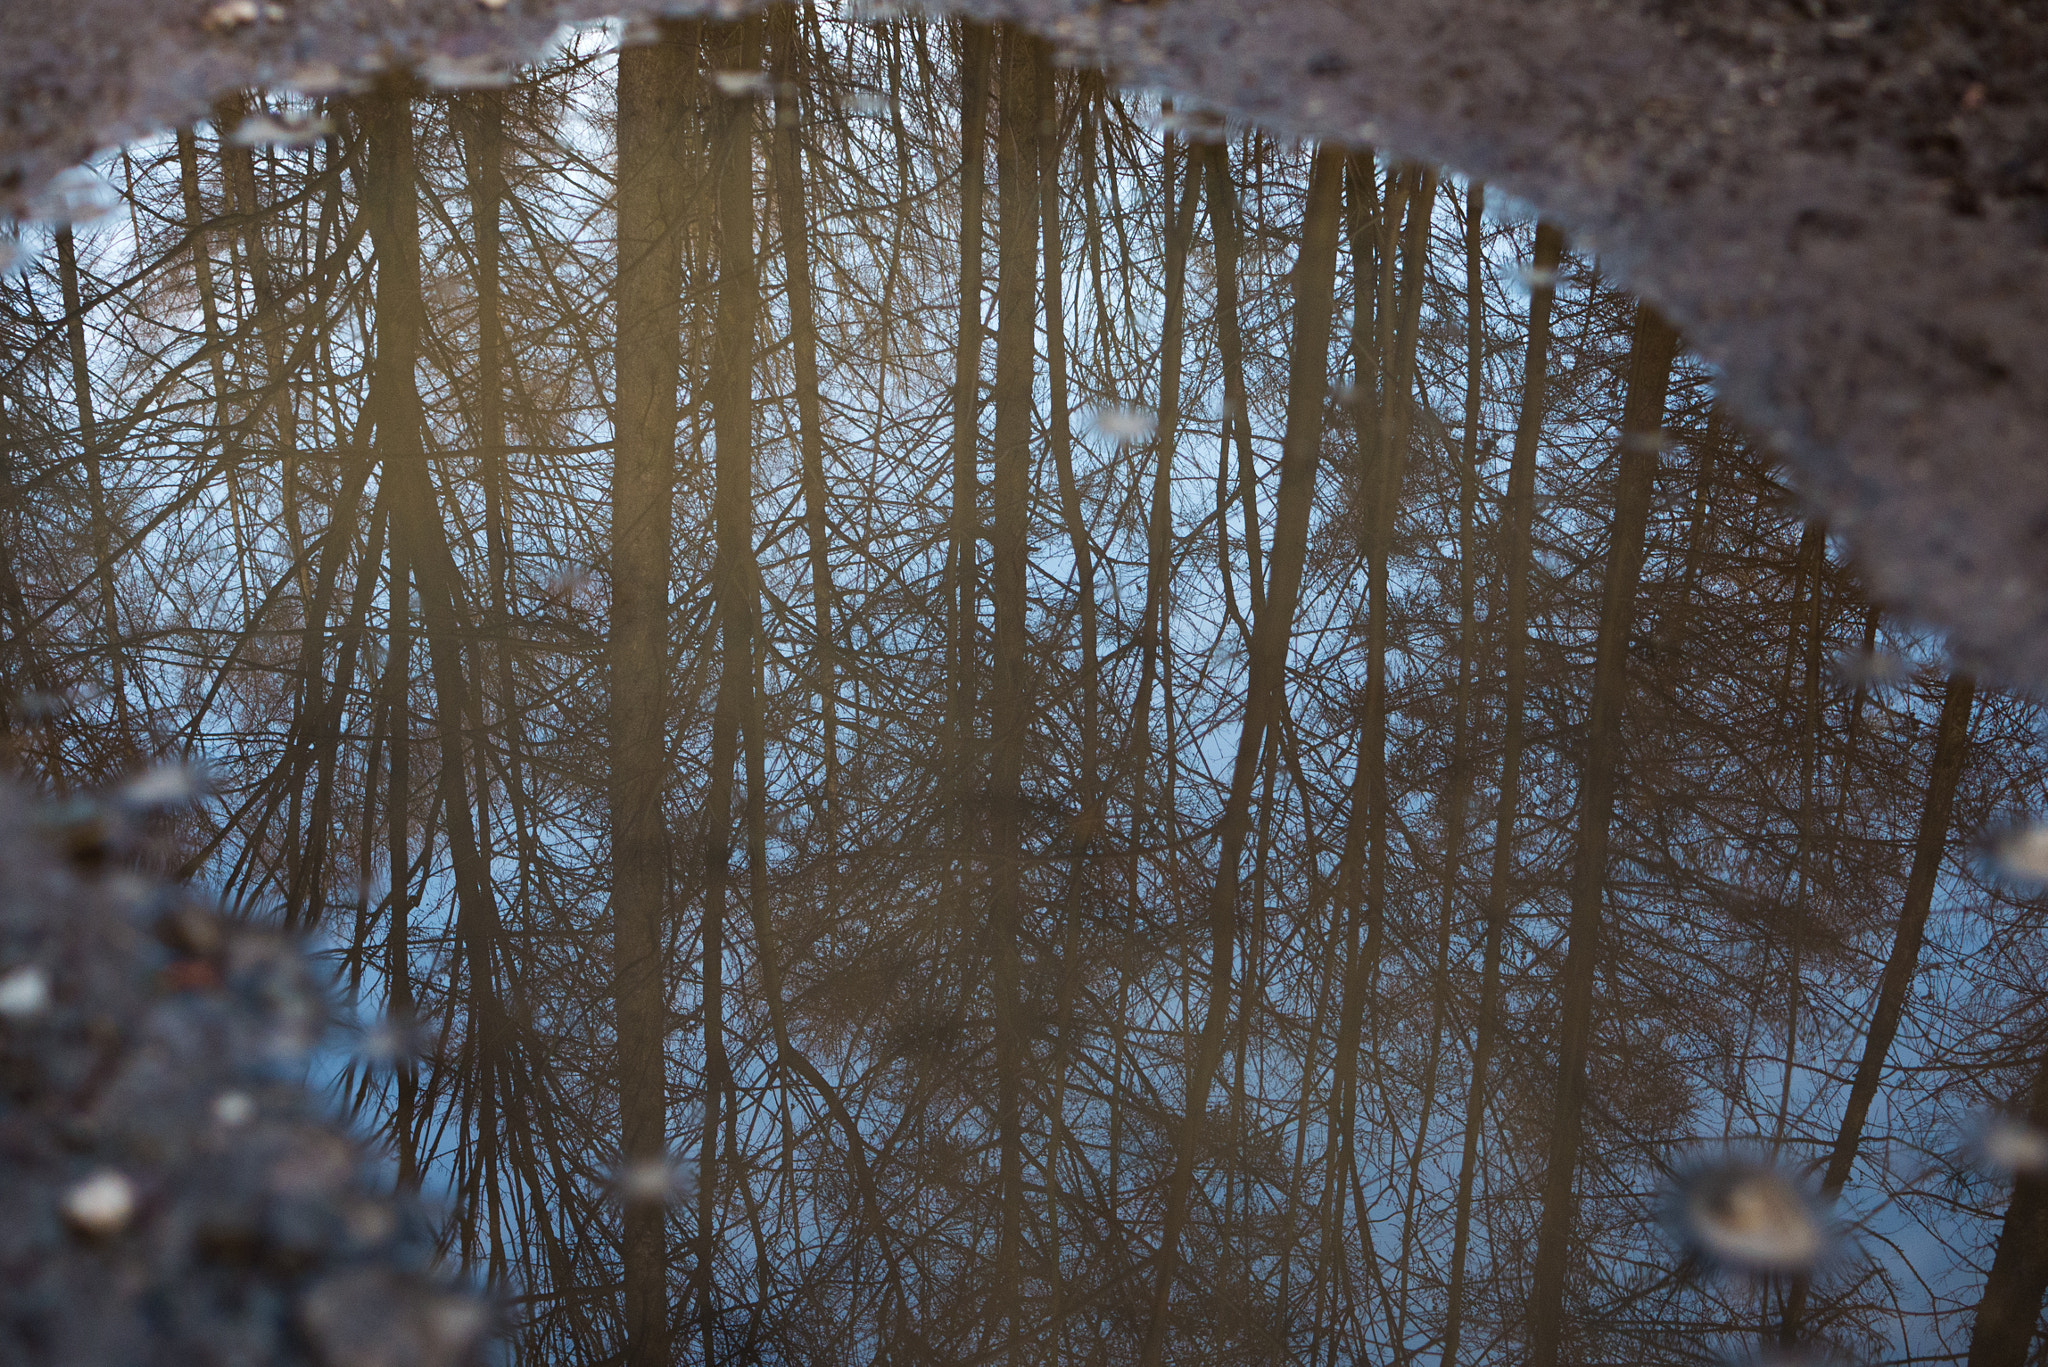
(1748, 1216)
(1125, 424)
(2012, 1147)
(2022, 853)
(189, 927)
(101, 1205)
(565, 584)
(128, 889)
(640, 31)
(654, 1181)
(177, 784)
(77, 195)
(741, 84)
(446, 292)
(864, 102)
(40, 707)
(24, 993)
(1193, 125)
(232, 14)
(392, 1040)
(443, 72)
(292, 130)
(456, 1321)
(1871, 669)
(234, 1109)
(320, 78)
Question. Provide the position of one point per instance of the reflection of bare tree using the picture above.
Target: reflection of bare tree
(1651, 348)
(1516, 516)
(655, 116)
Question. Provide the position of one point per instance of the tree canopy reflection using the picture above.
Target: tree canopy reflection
(954, 714)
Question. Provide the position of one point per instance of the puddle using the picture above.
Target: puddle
(903, 609)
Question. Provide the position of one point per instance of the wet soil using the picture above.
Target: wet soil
(1844, 205)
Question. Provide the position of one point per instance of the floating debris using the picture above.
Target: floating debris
(1125, 424)
(1531, 277)
(1747, 1216)
(24, 993)
(289, 130)
(101, 1206)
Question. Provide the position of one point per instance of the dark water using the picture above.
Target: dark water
(1022, 724)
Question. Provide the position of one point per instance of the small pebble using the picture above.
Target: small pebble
(654, 1181)
(1871, 669)
(741, 84)
(101, 1205)
(24, 993)
(233, 14)
(264, 130)
(1125, 424)
(2022, 853)
(176, 784)
(2014, 1148)
(234, 1109)
(1748, 1216)
(443, 72)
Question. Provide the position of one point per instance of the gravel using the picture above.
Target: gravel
(171, 1192)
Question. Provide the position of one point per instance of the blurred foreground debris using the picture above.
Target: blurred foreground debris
(170, 1192)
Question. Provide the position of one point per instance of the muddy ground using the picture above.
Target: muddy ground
(171, 1192)
(1844, 203)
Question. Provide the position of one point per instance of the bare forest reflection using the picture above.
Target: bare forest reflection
(945, 712)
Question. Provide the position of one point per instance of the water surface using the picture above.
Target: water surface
(974, 715)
